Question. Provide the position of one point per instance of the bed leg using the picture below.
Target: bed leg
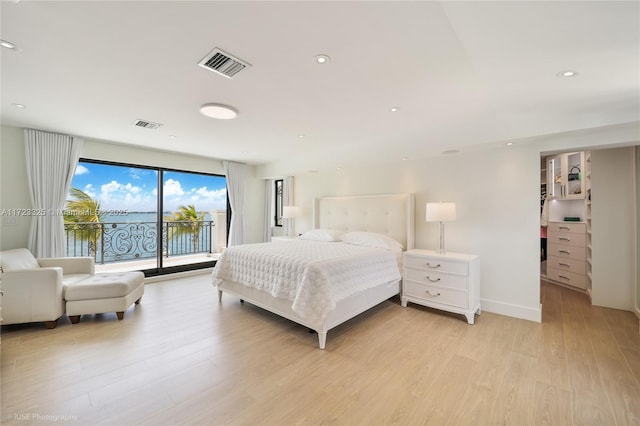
(322, 339)
(219, 296)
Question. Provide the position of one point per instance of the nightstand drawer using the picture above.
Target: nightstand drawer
(435, 264)
(427, 277)
(436, 294)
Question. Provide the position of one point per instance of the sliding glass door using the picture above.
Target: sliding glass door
(131, 217)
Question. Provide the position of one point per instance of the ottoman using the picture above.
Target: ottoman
(104, 292)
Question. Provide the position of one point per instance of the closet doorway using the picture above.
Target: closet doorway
(565, 220)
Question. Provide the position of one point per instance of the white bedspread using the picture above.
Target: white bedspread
(313, 275)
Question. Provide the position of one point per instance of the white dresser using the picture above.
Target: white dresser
(450, 281)
(567, 253)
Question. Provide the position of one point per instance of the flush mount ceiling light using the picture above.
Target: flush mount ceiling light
(8, 44)
(219, 111)
(19, 106)
(567, 73)
(322, 59)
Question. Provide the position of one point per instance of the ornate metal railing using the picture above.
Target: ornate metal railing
(121, 241)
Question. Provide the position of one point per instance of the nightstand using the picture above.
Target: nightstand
(450, 282)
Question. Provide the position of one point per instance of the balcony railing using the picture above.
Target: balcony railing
(111, 242)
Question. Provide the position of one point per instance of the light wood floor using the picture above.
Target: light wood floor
(182, 358)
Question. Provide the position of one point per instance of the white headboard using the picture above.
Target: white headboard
(391, 215)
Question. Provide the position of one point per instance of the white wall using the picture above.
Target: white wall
(13, 179)
(637, 213)
(14, 190)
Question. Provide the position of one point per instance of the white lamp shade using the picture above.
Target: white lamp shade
(290, 211)
(441, 212)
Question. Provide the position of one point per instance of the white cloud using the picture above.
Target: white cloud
(110, 187)
(172, 187)
(81, 170)
(132, 189)
(89, 190)
(215, 193)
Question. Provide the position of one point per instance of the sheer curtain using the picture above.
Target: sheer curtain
(268, 212)
(287, 200)
(235, 185)
(51, 163)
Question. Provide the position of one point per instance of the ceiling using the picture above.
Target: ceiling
(463, 75)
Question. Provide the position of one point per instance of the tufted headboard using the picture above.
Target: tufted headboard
(391, 215)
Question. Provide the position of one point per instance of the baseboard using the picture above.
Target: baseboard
(510, 310)
(167, 277)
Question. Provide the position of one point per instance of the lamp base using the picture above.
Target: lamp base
(441, 249)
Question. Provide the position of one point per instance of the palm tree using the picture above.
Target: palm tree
(84, 212)
(186, 221)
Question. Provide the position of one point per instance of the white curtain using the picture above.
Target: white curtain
(287, 200)
(51, 163)
(235, 186)
(268, 209)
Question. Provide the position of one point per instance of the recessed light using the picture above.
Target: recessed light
(219, 111)
(301, 136)
(322, 59)
(404, 158)
(567, 73)
(395, 109)
(20, 106)
(509, 143)
(8, 44)
(172, 136)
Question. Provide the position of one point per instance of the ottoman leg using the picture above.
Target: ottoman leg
(74, 319)
(138, 301)
(51, 324)
(120, 315)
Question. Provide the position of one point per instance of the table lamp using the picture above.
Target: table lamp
(441, 212)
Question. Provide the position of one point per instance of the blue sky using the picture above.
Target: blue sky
(134, 189)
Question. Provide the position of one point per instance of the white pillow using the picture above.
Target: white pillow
(321, 235)
(372, 239)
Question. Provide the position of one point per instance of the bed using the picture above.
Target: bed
(320, 283)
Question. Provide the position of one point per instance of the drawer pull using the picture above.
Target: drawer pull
(565, 278)
(432, 294)
(564, 227)
(564, 251)
(564, 264)
(432, 280)
(437, 265)
(564, 239)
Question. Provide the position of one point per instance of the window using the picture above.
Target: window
(278, 185)
(145, 218)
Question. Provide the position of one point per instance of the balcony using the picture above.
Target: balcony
(122, 246)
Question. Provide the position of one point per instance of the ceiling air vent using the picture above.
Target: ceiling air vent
(146, 124)
(223, 63)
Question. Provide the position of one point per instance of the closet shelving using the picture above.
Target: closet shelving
(587, 202)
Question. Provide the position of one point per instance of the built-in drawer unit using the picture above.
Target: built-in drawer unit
(567, 253)
(450, 281)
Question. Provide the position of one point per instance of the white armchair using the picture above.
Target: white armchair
(32, 289)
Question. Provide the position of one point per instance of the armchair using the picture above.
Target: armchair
(32, 289)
